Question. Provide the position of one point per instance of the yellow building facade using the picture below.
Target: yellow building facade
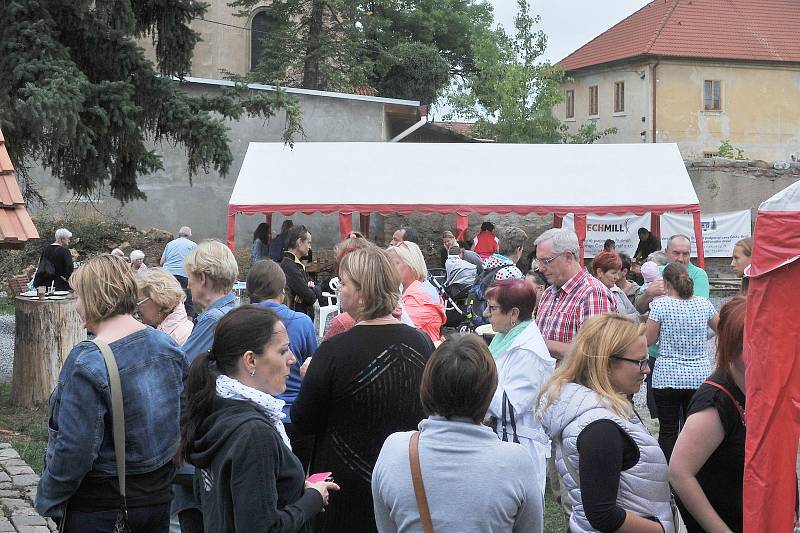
(754, 106)
(226, 41)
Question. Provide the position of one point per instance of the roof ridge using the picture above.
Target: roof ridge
(647, 5)
(763, 41)
(667, 16)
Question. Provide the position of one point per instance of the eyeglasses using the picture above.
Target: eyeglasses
(493, 308)
(642, 363)
(546, 262)
(143, 301)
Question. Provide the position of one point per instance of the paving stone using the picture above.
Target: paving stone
(5, 445)
(6, 485)
(6, 526)
(20, 520)
(31, 494)
(25, 480)
(4, 477)
(33, 529)
(13, 503)
(8, 453)
(8, 493)
(51, 524)
(24, 511)
(14, 462)
(18, 470)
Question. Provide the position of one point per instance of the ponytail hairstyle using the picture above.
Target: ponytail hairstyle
(678, 277)
(246, 328)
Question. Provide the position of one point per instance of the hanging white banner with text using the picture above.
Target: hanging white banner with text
(621, 229)
(720, 230)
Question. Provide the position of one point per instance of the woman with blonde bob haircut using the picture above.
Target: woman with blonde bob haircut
(613, 469)
(160, 303)
(361, 386)
(79, 486)
(420, 299)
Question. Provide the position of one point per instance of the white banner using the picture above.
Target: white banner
(621, 229)
(720, 230)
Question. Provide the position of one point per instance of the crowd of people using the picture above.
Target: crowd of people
(242, 419)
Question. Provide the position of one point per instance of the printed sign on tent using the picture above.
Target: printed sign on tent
(720, 230)
(621, 229)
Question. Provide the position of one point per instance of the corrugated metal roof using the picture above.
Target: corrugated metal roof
(16, 226)
(749, 30)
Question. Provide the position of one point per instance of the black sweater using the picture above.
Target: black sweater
(361, 386)
(62, 262)
(249, 480)
(301, 297)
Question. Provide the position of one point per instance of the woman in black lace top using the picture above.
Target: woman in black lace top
(361, 386)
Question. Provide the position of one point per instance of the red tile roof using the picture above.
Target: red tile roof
(16, 226)
(751, 30)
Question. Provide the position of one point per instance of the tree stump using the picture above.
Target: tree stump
(45, 332)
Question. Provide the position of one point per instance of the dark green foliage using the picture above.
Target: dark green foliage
(511, 98)
(408, 49)
(413, 71)
(79, 96)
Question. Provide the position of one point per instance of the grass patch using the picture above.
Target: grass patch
(7, 306)
(554, 519)
(25, 429)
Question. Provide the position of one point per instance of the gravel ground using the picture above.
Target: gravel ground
(6, 347)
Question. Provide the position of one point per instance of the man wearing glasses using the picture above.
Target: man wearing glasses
(573, 296)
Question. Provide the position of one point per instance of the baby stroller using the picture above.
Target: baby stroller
(454, 297)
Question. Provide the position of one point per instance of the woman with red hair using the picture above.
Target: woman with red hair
(523, 365)
(606, 266)
(707, 465)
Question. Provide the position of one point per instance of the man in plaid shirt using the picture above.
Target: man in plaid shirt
(574, 295)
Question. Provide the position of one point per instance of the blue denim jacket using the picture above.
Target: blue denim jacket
(152, 372)
(202, 336)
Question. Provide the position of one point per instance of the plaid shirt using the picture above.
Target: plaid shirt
(563, 309)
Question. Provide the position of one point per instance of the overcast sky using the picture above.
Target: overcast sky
(569, 24)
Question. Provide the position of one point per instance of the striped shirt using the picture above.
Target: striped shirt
(563, 309)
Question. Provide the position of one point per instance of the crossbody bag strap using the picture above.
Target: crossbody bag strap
(728, 393)
(117, 414)
(511, 419)
(419, 486)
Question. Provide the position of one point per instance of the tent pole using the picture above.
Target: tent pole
(462, 223)
(698, 236)
(580, 230)
(231, 234)
(345, 224)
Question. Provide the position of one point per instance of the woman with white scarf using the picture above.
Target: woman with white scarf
(232, 430)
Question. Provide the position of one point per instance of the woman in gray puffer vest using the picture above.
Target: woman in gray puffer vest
(613, 469)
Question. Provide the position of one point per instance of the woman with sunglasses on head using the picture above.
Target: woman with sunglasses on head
(232, 430)
(679, 321)
(159, 303)
(613, 469)
(707, 467)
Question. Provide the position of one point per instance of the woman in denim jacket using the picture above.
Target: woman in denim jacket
(79, 485)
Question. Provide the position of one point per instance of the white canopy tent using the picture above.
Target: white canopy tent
(462, 179)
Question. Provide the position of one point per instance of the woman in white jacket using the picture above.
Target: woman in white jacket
(523, 366)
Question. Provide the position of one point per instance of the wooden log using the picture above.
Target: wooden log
(45, 332)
